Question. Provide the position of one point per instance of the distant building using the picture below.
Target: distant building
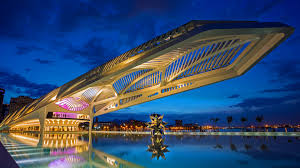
(104, 125)
(133, 125)
(178, 123)
(19, 102)
(2, 92)
(185, 127)
(5, 109)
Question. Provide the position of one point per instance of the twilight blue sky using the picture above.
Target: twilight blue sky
(45, 44)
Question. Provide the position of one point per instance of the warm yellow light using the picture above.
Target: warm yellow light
(24, 139)
(27, 123)
(53, 98)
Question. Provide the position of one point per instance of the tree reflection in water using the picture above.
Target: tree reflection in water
(157, 147)
(218, 146)
(245, 144)
(233, 147)
(247, 147)
(263, 147)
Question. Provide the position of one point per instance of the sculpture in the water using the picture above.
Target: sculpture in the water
(157, 125)
(157, 147)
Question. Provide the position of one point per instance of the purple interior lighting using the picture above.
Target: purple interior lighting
(67, 162)
(58, 152)
(72, 104)
(65, 115)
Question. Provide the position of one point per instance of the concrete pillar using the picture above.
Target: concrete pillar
(42, 118)
(91, 127)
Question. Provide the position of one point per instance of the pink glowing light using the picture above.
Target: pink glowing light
(67, 162)
(72, 104)
(65, 115)
(58, 152)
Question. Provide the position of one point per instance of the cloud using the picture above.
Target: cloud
(234, 96)
(27, 69)
(91, 53)
(30, 19)
(266, 7)
(285, 70)
(25, 19)
(20, 85)
(43, 61)
(292, 87)
(257, 102)
(23, 50)
(263, 102)
(275, 110)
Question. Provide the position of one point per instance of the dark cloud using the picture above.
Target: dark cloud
(234, 96)
(27, 69)
(268, 6)
(18, 90)
(91, 53)
(100, 49)
(20, 85)
(258, 103)
(71, 16)
(41, 61)
(284, 70)
(23, 50)
(27, 19)
(280, 110)
(287, 88)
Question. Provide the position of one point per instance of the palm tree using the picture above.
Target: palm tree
(215, 120)
(243, 119)
(229, 120)
(259, 119)
(218, 146)
(213, 125)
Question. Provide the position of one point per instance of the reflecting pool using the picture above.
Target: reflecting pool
(142, 150)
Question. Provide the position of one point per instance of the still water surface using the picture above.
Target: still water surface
(124, 150)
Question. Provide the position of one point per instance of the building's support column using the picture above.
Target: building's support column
(90, 150)
(91, 126)
(42, 118)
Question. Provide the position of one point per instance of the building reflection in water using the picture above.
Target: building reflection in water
(58, 150)
(51, 150)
